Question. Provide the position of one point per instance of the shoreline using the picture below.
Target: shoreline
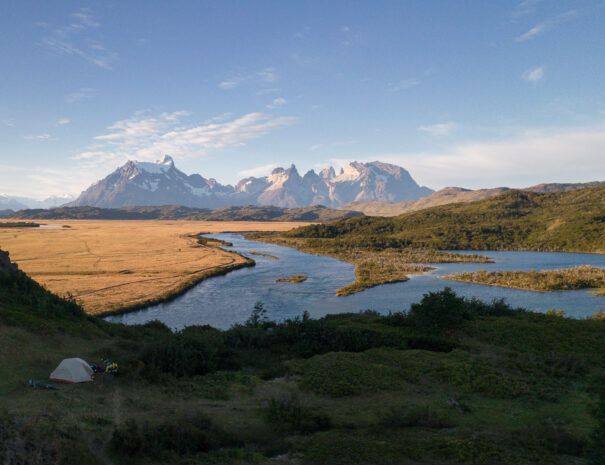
(180, 289)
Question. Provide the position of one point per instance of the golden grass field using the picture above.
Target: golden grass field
(108, 265)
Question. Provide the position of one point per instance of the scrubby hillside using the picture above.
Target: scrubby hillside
(452, 382)
(515, 220)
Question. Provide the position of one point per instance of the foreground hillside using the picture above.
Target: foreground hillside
(515, 220)
(316, 213)
(454, 382)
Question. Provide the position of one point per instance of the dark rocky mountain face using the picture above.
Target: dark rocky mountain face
(161, 183)
(6, 266)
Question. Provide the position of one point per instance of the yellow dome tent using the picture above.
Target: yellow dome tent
(72, 370)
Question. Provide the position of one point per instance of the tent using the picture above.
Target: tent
(72, 370)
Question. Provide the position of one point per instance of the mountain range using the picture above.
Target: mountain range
(9, 202)
(161, 183)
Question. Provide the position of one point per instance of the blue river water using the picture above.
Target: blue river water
(225, 300)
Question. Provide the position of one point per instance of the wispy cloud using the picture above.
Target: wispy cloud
(438, 130)
(62, 122)
(526, 7)
(148, 138)
(304, 33)
(342, 143)
(527, 158)
(277, 102)
(37, 137)
(80, 94)
(258, 171)
(75, 39)
(231, 83)
(264, 76)
(546, 25)
(10, 122)
(404, 85)
(534, 74)
(270, 90)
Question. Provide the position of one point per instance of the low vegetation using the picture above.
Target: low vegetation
(260, 254)
(515, 220)
(170, 212)
(581, 277)
(116, 266)
(298, 278)
(18, 224)
(452, 381)
(375, 263)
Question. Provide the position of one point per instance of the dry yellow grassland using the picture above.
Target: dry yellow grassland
(109, 265)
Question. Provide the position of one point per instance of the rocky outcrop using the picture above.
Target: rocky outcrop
(6, 266)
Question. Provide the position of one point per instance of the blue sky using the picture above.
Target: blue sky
(469, 93)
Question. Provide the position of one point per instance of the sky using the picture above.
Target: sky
(467, 93)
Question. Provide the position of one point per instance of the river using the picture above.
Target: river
(224, 300)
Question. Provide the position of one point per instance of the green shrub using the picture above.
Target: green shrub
(442, 309)
(189, 434)
(287, 414)
(196, 350)
(416, 415)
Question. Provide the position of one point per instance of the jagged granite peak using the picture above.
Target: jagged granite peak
(161, 183)
(327, 173)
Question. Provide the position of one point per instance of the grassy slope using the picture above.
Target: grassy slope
(441, 197)
(515, 220)
(362, 389)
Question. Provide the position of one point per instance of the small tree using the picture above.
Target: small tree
(258, 316)
(439, 310)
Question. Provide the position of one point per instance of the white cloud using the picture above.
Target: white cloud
(37, 137)
(277, 102)
(531, 157)
(62, 122)
(404, 85)
(74, 40)
(80, 94)
(10, 122)
(231, 83)
(258, 171)
(345, 29)
(333, 144)
(534, 74)
(148, 138)
(271, 90)
(546, 25)
(437, 130)
(526, 7)
(265, 76)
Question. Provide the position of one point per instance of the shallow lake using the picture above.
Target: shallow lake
(224, 300)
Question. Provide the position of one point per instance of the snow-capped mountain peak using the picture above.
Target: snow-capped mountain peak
(161, 183)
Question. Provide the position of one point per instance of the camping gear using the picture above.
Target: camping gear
(105, 367)
(39, 384)
(72, 370)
